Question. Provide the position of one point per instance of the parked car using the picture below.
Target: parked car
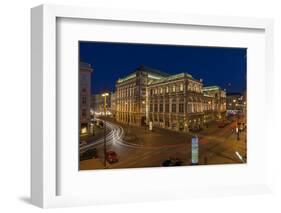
(172, 162)
(195, 129)
(101, 124)
(111, 157)
(89, 154)
(83, 143)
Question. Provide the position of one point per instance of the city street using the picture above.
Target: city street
(138, 147)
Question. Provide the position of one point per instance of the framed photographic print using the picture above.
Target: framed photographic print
(145, 117)
(148, 105)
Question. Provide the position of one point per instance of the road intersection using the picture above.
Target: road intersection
(150, 149)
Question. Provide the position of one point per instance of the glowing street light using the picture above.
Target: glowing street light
(104, 142)
(105, 95)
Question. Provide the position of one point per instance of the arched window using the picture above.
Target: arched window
(161, 105)
(181, 87)
(174, 106)
(181, 105)
(190, 105)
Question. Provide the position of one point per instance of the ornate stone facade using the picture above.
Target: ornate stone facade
(85, 71)
(216, 97)
(131, 98)
(113, 104)
(176, 102)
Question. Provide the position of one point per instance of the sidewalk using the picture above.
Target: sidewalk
(91, 164)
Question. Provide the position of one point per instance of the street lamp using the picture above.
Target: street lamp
(105, 95)
(104, 123)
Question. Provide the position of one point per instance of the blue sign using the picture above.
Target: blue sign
(194, 150)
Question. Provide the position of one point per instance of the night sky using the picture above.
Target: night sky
(225, 67)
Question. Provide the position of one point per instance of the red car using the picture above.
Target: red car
(111, 157)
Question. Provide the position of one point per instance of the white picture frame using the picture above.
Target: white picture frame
(44, 154)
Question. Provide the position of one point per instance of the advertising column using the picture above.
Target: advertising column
(194, 150)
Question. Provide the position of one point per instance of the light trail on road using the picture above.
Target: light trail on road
(114, 137)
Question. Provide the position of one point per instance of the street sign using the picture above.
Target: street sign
(194, 150)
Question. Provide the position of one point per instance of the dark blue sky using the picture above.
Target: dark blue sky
(225, 67)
